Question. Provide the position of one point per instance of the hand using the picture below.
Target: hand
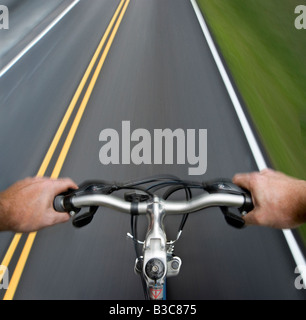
(27, 205)
(279, 200)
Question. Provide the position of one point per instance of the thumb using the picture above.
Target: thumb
(243, 180)
(62, 185)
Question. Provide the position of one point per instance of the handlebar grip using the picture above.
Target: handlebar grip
(227, 186)
(248, 203)
(58, 204)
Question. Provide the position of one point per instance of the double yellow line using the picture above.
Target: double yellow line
(101, 51)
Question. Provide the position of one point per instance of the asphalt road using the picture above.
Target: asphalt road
(159, 73)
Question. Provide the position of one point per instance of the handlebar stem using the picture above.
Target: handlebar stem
(156, 216)
(155, 243)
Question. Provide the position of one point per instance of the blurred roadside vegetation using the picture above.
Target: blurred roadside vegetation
(266, 55)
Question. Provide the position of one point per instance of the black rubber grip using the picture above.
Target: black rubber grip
(248, 203)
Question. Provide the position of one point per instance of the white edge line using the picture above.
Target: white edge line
(37, 39)
(258, 156)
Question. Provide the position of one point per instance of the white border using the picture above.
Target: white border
(37, 39)
(258, 156)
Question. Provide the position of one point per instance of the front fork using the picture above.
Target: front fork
(156, 263)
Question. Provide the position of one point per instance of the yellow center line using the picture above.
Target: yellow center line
(9, 295)
(62, 126)
(10, 252)
(87, 95)
(76, 96)
(58, 166)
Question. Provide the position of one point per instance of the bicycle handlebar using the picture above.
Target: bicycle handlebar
(170, 207)
(156, 260)
(223, 194)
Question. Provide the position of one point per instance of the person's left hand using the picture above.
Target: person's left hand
(27, 205)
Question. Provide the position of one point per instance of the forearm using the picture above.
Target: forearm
(4, 215)
(301, 202)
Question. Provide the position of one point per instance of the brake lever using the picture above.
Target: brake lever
(233, 219)
(85, 218)
(63, 201)
(226, 186)
(91, 187)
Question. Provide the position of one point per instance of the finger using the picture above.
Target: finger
(267, 171)
(250, 218)
(59, 217)
(62, 185)
(242, 180)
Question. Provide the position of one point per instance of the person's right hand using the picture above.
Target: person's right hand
(279, 200)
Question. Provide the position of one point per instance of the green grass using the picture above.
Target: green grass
(266, 55)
